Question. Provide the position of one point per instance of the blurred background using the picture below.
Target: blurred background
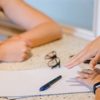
(78, 13)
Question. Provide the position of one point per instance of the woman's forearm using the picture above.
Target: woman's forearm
(42, 34)
(40, 29)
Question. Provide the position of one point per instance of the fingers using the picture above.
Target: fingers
(85, 81)
(75, 60)
(21, 57)
(89, 71)
(23, 47)
(23, 53)
(79, 58)
(26, 54)
(95, 60)
(97, 70)
(25, 57)
(89, 77)
(85, 74)
(85, 77)
(27, 51)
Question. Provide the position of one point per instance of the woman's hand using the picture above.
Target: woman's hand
(89, 77)
(91, 50)
(14, 50)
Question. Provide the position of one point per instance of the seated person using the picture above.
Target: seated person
(40, 29)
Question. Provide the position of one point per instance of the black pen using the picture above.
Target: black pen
(47, 85)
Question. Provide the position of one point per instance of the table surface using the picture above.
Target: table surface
(65, 47)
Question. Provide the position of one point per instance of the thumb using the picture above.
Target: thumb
(94, 61)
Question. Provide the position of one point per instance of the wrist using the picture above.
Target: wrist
(96, 86)
(97, 90)
(26, 40)
(20, 38)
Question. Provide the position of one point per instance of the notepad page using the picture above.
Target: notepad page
(28, 82)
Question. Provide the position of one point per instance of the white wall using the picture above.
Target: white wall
(97, 18)
(70, 12)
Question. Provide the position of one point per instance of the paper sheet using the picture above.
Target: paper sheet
(28, 82)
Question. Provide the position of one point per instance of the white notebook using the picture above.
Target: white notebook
(28, 82)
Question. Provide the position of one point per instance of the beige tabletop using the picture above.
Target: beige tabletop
(65, 47)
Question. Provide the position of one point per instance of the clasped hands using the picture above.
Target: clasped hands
(14, 49)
